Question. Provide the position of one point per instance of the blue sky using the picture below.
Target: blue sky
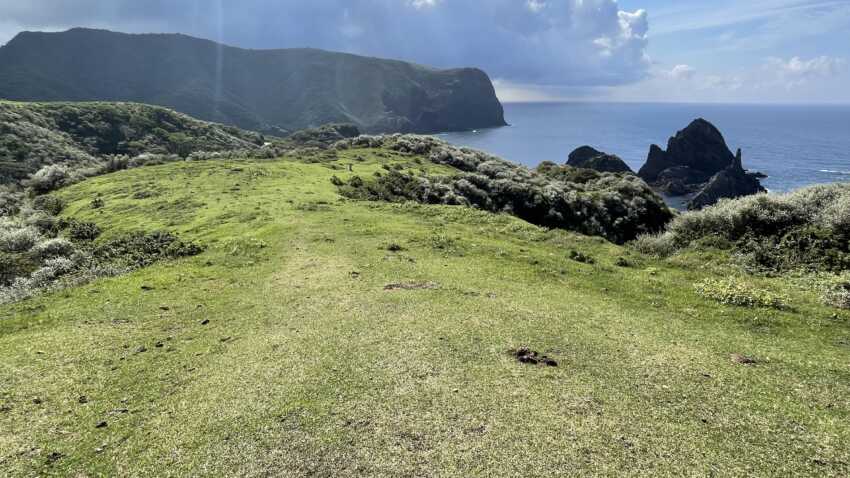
(626, 50)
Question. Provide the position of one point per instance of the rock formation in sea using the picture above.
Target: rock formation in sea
(732, 182)
(587, 157)
(698, 161)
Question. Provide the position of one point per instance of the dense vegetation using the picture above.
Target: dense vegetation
(807, 229)
(619, 207)
(272, 91)
(34, 135)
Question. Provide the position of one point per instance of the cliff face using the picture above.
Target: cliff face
(698, 161)
(273, 91)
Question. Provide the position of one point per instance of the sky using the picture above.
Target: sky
(754, 51)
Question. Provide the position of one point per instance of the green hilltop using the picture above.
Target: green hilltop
(394, 306)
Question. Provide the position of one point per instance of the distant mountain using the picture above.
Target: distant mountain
(271, 91)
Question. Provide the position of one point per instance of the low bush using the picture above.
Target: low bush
(18, 239)
(836, 292)
(617, 207)
(140, 249)
(737, 292)
(49, 178)
(808, 229)
(49, 204)
(83, 231)
(55, 263)
(54, 248)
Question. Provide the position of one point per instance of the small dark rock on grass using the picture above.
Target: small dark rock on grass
(580, 257)
(532, 357)
(393, 247)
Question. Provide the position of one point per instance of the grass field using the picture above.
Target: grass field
(319, 336)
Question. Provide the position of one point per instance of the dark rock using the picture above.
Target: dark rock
(101, 425)
(205, 321)
(582, 154)
(732, 182)
(697, 160)
(532, 357)
(54, 457)
(83, 399)
(700, 146)
(589, 158)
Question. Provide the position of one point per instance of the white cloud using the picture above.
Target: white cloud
(420, 4)
(535, 5)
(820, 79)
(796, 67)
(546, 42)
(682, 72)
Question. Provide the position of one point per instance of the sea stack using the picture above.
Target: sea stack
(698, 161)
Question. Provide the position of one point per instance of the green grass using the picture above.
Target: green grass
(308, 366)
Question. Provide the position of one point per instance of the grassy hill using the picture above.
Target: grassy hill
(273, 91)
(33, 135)
(326, 336)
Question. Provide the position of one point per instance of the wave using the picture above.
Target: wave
(832, 171)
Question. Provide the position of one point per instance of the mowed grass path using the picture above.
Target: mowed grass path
(279, 351)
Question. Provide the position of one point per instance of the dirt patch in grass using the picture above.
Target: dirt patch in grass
(412, 286)
(532, 357)
(743, 359)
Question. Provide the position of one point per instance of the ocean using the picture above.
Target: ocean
(794, 145)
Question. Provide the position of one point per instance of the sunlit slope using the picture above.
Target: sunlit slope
(318, 335)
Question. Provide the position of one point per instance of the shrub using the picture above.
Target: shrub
(837, 293)
(617, 207)
(50, 204)
(54, 248)
(18, 239)
(97, 203)
(140, 249)
(13, 266)
(48, 178)
(10, 202)
(806, 229)
(53, 268)
(83, 231)
(736, 292)
(656, 245)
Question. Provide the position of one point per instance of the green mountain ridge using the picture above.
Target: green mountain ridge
(272, 91)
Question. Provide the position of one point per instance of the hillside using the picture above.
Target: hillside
(321, 335)
(33, 135)
(272, 91)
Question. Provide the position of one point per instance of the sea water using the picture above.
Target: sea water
(794, 145)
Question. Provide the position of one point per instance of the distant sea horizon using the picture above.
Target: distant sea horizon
(795, 145)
